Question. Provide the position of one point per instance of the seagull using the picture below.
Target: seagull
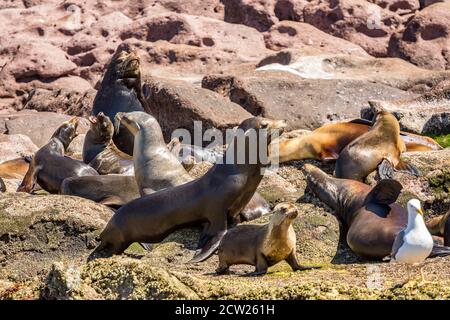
(414, 243)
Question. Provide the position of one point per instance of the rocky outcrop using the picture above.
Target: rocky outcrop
(303, 103)
(15, 145)
(256, 14)
(177, 104)
(426, 38)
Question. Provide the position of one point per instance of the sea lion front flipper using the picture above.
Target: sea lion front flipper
(439, 251)
(385, 192)
(2, 185)
(328, 156)
(292, 260)
(404, 166)
(29, 181)
(146, 246)
(261, 266)
(361, 121)
(209, 248)
(385, 170)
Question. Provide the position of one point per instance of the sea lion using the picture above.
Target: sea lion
(15, 168)
(209, 200)
(263, 245)
(186, 152)
(121, 91)
(440, 226)
(380, 148)
(100, 152)
(370, 215)
(49, 167)
(157, 168)
(111, 190)
(325, 143)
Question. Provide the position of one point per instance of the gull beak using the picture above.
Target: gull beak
(420, 211)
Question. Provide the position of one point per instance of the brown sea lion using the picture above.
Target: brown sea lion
(157, 168)
(440, 226)
(15, 168)
(380, 148)
(209, 200)
(121, 91)
(49, 167)
(370, 215)
(111, 190)
(262, 245)
(100, 152)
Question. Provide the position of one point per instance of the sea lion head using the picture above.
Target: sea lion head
(271, 128)
(102, 127)
(135, 121)
(67, 131)
(127, 65)
(284, 213)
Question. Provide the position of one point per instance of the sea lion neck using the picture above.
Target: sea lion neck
(388, 123)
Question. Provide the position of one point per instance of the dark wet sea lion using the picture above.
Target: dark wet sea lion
(440, 226)
(157, 168)
(185, 152)
(121, 91)
(49, 167)
(15, 168)
(262, 245)
(112, 190)
(380, 148)
(325, 143)
(370, 215)
(209, 200)
(100, 152)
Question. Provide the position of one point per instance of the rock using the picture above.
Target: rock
(69, 102)
(427, 114)
(206, 8)
(37, 230)
(200, 32)
(289, 10)
(40, 126)
(15, 145)
(389, 71)
(177, 104)
(400, 7)
(253, 13)
(426, 38)
(290, 34)
(358, 21)
(304, 103)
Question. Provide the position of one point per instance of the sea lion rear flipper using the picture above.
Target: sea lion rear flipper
(209, 248)
(385, 170)
(385, 192)
(403, 166)
(362, 121)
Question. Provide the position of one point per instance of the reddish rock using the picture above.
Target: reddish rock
(177, 104)
(15, 145)
(206, 8)
(198, 31)
(290, 9)
(253, 13)
(297, 35)
(357, 21)
(426, 38)
(304, 103)
(398, 6)
(39, 126)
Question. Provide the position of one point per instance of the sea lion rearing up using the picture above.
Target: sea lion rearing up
(380, 148)
(325, 143)
(370, 215)
(121, 91)
(49, 167)
(100, 152)
(262, 245)
(209, 200)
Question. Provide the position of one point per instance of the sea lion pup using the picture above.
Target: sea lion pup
(325, 143)
(378, 149)
(112, 190)
(370, 215)
(15, 168)
(440, 226)
(100, 152)
(262, 245)
(49, 167)
(209, 200)
(157, 168)
(121, 91)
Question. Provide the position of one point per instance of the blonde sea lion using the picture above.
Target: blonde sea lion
(440, 226)
(209, 200)
(325, 143)
(15, 168)
(262, 245)
(49, 166)
(378, 149)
